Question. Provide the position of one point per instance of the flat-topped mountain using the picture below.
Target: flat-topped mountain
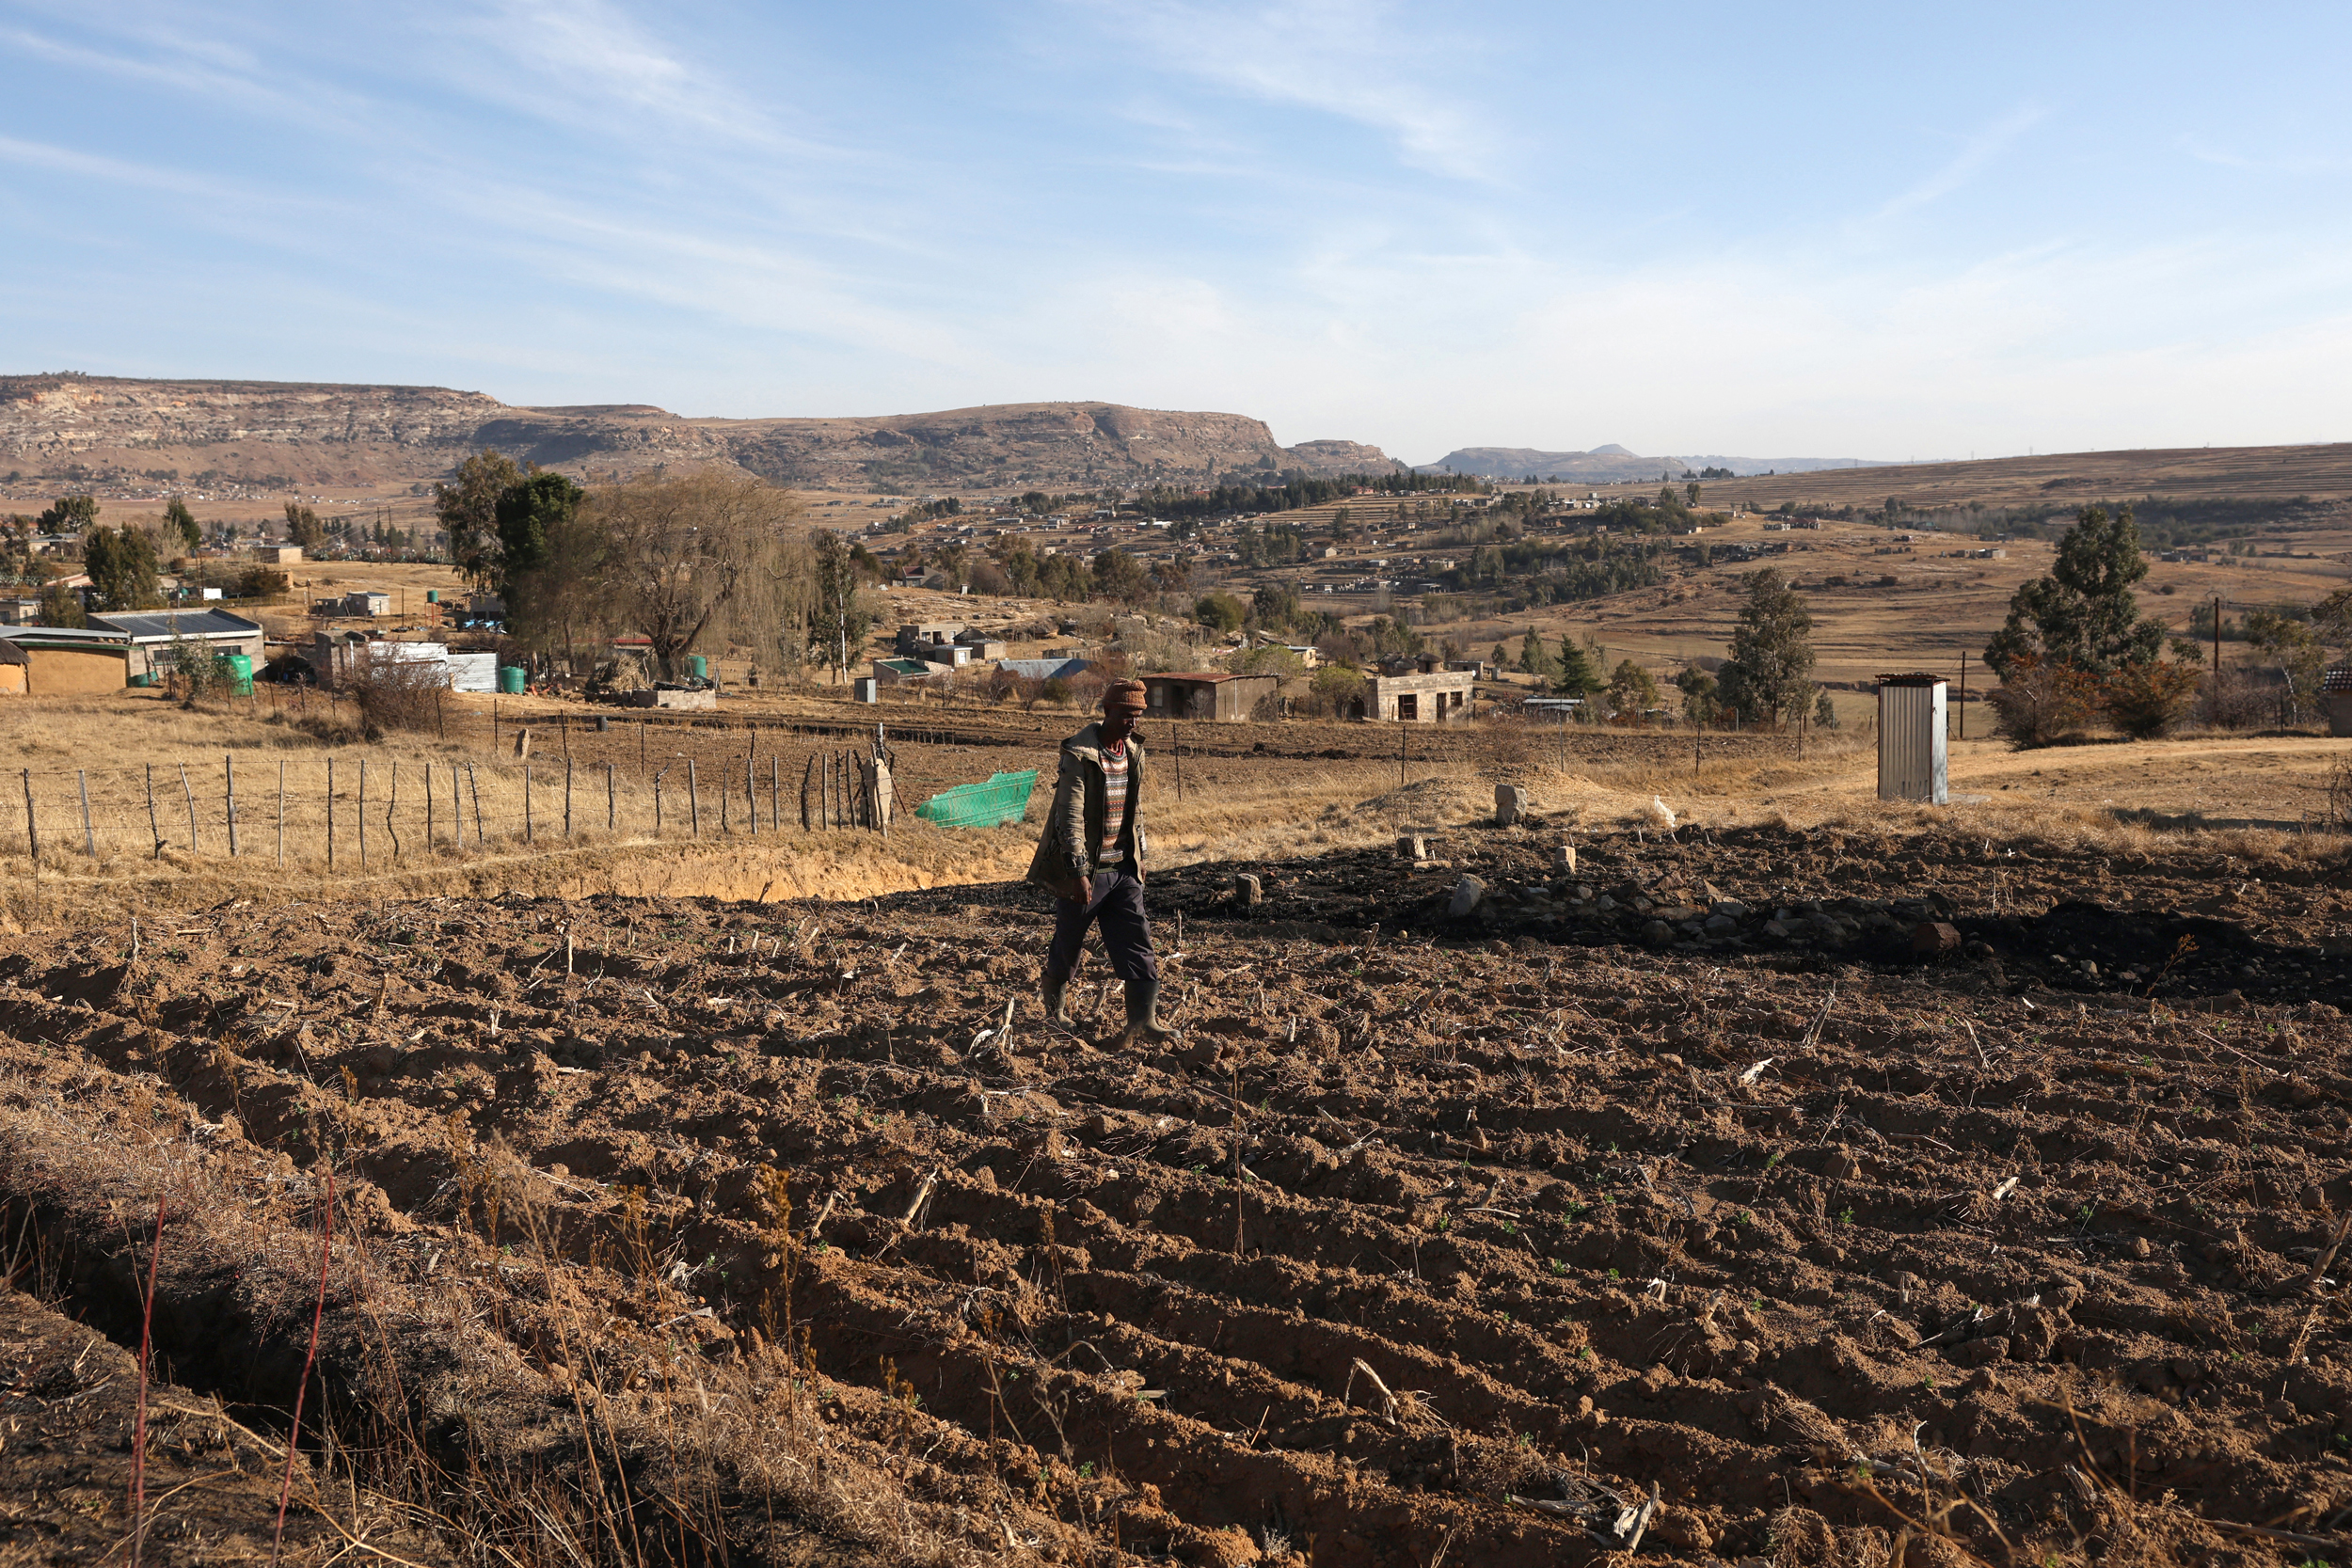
(1601, 466)
(328, 433)
(1612, 464)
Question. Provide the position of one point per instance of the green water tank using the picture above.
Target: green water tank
(700, 665)
(433, 596)
(511, 679)
(241, 674)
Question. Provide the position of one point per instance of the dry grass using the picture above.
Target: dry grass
(2266, 799)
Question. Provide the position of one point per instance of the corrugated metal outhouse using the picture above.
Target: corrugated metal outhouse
(2335, 688)
(1911, 748)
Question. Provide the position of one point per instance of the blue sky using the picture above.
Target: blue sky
(1883, 231)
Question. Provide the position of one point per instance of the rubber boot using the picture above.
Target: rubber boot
(1056, 992)
(1143, 1024)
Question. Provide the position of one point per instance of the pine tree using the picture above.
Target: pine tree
(1771, 668)
(1533, 658)
(2083, 615)
(1580, 672)
(178, 518)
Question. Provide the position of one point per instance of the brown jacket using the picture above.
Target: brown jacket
(1080, 811)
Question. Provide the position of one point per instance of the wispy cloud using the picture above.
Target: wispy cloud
(2293, 166)
(1974, 157)
(1347, 58)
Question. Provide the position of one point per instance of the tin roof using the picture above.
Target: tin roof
(162, 625)
(1914, 678)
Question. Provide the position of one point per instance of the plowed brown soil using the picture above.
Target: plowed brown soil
(1434, 1240)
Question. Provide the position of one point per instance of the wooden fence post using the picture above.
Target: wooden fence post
(567, 784)
(391, 829)
(525, 803)
(331, 814)
(657, 802)
(776, 795)
(155, 829)
(229, 775)
(188, 790)
(282, 813)
(611, 802)
(693, 798)
(807, 773)
(475, 779)
(359, 810)
(89, 840)
(32, 834)
(428, 808)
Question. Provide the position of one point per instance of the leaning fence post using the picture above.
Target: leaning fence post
(229, 771)
(189, 790)
(391, 829)
(32, 834)
(693, 798)
(154, 831)
(89, 840)
(807, 773)
(475, 779)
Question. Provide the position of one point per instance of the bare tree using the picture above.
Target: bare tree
(701, 555)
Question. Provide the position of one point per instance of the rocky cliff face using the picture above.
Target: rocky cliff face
(46, 416)
(324, 433)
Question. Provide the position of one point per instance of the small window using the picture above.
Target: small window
(1409, 707)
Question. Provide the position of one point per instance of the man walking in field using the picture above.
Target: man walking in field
(1090, 858)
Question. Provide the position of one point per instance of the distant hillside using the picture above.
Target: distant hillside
(103, 427)
(1777, 465)
(1601, 466)
(1612, 464)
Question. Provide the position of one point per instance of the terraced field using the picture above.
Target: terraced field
(768, 1233)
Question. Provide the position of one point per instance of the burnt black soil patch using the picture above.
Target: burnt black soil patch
(2197, 925)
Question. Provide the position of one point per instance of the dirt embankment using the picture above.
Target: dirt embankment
(1469, 1246)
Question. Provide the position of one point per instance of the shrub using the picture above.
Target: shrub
(1269, 660)
(2043, 704)
(2145, 700)
(1337, 688)
(394, 693)
(2235, 700)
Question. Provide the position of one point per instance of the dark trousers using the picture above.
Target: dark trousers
(1115, 898)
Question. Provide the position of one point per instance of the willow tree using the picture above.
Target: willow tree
(702, 559)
